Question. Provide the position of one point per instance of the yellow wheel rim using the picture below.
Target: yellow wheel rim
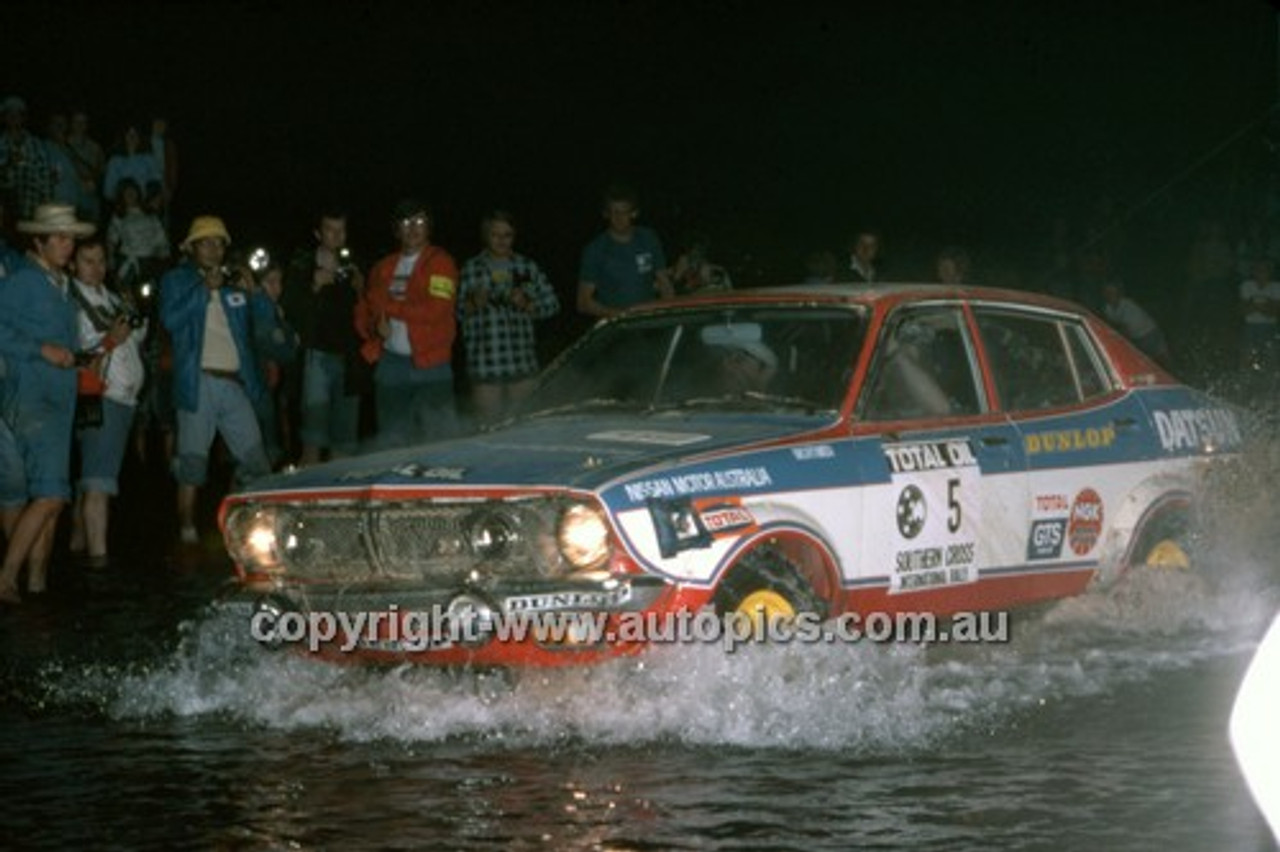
(759, 611)
(1168, 554)
(768, 604)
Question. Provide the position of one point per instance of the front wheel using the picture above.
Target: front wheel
(766, 588)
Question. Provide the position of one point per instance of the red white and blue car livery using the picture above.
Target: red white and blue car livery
(831, 449)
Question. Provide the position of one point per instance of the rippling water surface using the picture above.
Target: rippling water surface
(136, 713)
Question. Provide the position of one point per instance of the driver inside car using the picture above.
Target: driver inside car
(743, 361)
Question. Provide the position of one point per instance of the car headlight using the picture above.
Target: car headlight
(254, 538)
(492, 534)
(583, 536)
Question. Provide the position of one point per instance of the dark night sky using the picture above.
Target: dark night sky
(773, 127)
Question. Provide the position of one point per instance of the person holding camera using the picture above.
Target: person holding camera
(321, 288)
(215, 378)
(38, 342)
(110, 325)
(276, 346)
(500, 295)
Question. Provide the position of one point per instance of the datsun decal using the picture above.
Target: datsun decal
(1197, 428)
(412, 470)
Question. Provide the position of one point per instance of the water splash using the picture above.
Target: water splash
(859, 698)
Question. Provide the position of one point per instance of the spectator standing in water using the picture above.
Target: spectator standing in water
(105, 325)
(38, 341)
(322, 286)
(215, 379)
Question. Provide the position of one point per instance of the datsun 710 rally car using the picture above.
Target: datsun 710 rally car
(810, 449)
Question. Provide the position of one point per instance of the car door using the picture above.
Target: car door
(1080, 434)
(955, 488)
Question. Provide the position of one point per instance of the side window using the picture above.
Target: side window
(924, 368)
(1093, 376)
(1039, 361)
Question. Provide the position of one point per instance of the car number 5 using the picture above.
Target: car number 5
(954, 514)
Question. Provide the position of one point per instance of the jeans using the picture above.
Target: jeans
(330, 417)
(224, 408)
(102, 448)
(414, 406)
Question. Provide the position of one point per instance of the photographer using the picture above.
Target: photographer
(500, 294)
(215, 378)
(110, 325)
(320, 292)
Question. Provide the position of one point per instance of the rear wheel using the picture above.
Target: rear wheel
(1165, 545)
(1167, 553)
(766, 588)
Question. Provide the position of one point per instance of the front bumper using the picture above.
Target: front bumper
(507, 623)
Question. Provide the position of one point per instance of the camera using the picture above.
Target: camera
(134, 317)
(345, 271)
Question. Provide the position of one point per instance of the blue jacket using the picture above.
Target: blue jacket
(33, 312)
(273, 335)
(184, 301)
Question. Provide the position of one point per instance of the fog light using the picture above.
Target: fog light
(470, 619)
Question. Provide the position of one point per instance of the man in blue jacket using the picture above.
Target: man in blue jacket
(215, 380)
(38, 338)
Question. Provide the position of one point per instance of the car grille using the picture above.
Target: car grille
(408, 541)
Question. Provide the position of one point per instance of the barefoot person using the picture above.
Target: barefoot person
(38, 333)
(104, 325)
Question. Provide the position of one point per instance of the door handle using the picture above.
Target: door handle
(994, 440)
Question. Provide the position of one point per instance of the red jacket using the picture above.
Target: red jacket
(427, 308)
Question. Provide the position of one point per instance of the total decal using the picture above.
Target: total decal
(935, 482)
(685, 524)
(1049, 515)
(1063, 526)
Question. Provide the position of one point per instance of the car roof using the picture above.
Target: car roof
(880, 293)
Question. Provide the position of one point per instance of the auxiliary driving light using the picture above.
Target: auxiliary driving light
(470, 619)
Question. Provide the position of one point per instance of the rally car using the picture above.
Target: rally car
(826, 450)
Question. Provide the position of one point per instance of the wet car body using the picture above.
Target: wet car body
(912, 448)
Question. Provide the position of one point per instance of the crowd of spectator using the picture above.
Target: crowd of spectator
(113, 334)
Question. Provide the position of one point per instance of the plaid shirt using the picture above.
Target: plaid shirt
(26, 174)
(499, 338)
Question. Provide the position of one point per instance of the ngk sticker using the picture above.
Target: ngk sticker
(1085, 524)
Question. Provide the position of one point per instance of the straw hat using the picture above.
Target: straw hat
(206, 226)
(56, 219)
